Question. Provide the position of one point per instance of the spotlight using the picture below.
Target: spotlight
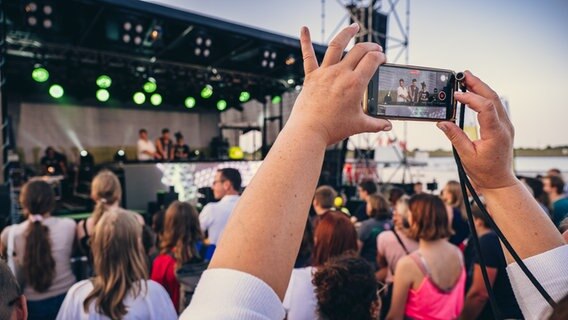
(203, 46)
(244, 96)
(189, 102)
(150, 85)
(84, 153)
(269, 58)
(127, 26)
(47, 24)
(139, 98)
(56, 91)
(221, 105)
(104, 81)
(40, 74)
(120, 156)
(207, 92)
(103, 95)
(132, 32)
(38, 14)
(276, 99)
(290, 81)
(126, 38)
(156, 99)
(47, 10)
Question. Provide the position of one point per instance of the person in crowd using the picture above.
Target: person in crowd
(380, 215)
(418, 187)
(477, 305)
(554, 172)
(119, 289)
(429, 282)
(346, 289)
(334, 235)
(145, 149)
(158, 225)
(181, 243)
(395, 194)
(402, 93)
(42, 249)
(392, 245)
(323, 202)
(214, 216)
(106, 192)
(12, 300)
(53, 163)
(149, 239)
(304, 257)
(364, 189)
(180, 151)
(164, 146)
(413, 92)
(453, 197)
(254, 277)
(554, 187)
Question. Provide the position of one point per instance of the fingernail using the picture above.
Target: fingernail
(442, 126)
(354, 24)
(458, 93)
(388, 127)
(304, 30)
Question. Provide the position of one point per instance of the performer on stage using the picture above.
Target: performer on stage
(180, 151)
(53, 163)
(146, 150)
(164, 145)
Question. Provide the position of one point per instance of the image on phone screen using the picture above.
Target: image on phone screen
(406, 92)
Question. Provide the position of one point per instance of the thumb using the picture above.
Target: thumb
(370, 124)
(457, 137)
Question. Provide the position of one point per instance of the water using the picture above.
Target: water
(445, 169)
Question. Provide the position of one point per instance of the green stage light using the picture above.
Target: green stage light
(40, 74)
(139, 98)
(103, 95)
(221, 105)
(189, 102)
(156, 99)
(276, 99)
(104, 81)
(244, 96)
(150, 85)
(207, 92)
(56, 91)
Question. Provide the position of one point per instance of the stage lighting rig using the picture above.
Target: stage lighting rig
(207, 91)
(221, 105)
(56, 91)
(156, 99)
(120, 156)
(268, 58)
(139, 98)
(202, 45)
(189, 102)
(38, 14)
(40, 74)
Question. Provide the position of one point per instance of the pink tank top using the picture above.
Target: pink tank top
(431, 302)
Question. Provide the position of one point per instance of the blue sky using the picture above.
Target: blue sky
(520, 48)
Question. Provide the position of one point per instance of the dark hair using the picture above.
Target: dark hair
(380, 208)
(368, 186)
(233, 176)
(325, 195)
(413, 80)
(37, 198)
(142, 131)
(477, 214)
(554, 172)
(556, 183)
(182, 231)
(306, 247)
(9, 290)
(346, 288)
(395, 194)
(178, 135)
(429, 218)
(334, 235)
(401, 80)
(165, 130)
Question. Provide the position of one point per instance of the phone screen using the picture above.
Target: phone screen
(412, 93)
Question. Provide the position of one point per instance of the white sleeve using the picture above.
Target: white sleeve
(551, 270)
(71, 306)
(232, 294)
(205, 218)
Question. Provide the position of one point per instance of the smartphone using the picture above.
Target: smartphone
(401, 92)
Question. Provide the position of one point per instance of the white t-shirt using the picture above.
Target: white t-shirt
(401, 91)
(145, 145)
(300, 301)
(155, 303)
(62, 236)
(215, 215)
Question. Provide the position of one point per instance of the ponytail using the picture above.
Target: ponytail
(98, 211)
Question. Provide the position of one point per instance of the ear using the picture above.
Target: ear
(21, 308)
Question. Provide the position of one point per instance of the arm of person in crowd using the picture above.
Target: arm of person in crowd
(402, 284)
(159, 149)
(488, 163)
(477, 295)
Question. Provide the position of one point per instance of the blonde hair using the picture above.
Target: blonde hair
(107, 189)
(181, 232)
(119, 263)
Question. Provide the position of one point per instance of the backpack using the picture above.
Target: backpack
(189, 273)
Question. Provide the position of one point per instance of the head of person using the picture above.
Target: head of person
(423, 85)
(418, 187)
(105, 191)
(401, 82)
(182, 232)
(50, 152)
(179, 138)
(334, 235)
(12, 301)
(346, 288)
(38, 200)
(227, 182)
(395, 194)
(119, 263)
(480, 220)
(554, 172)
(324, 199)
(400, 213)
(143, 134)
(452, 194)
(553, 185)
(414, 82)
(366, 188)
(428, 218)
(166, 133)
(378, 207)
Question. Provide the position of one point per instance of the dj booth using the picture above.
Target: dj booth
(143, 181)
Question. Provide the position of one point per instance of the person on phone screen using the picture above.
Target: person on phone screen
(423, 95)
(413, 92)
(402, 92)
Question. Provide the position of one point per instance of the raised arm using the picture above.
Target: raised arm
(263, 236)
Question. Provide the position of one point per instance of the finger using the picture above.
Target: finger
(359, 51)
(370, 124)
(457, 137)
(485, 108)
(475, 85)
(369, 64)
(338, 44)
(308, 53)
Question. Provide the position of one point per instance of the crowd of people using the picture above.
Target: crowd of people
(259, 254)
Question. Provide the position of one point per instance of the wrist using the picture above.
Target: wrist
(305, 130)
(508, 185)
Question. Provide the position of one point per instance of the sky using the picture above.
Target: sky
(519, 48)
